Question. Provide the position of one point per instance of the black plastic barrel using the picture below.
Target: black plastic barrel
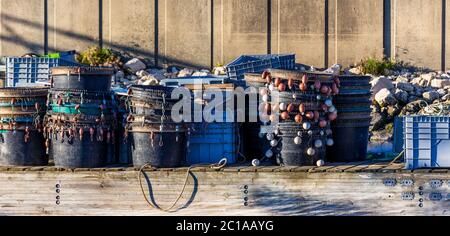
(83, 78)
(81, 127)
(76, 153)
(154, 139)
(163, 149)
(351, 129)
(21, 139)
(253, 145)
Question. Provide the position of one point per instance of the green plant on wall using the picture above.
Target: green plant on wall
(96, 56)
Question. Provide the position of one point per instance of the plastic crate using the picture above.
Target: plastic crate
(426, 141)
(177, 82)
(398, 135)
(26, 71)
(210, 142)
(258, 63)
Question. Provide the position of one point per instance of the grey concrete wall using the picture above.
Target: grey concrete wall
(185, 32)
(130, 26)
(417, 32)
(355, 30)
(447, 32)
(240, 28)
(21, 27)
(298, 27)
(73, 24)
(202, 33)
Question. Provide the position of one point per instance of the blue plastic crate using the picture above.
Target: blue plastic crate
(398, 135)
(258, 63)
(426, 141)
(210, 142)
(26, 71)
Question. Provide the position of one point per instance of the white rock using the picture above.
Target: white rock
(355, 71)
(405, 86)
(221, 70)
(142, 73)
(440, 83)
(186, 72)
(416, 81)
(402, 79)
(429, 76)
(334, 69)
(134, 65)
(380, 83)
(384, 97)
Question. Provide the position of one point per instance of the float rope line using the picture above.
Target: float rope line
(222, 163)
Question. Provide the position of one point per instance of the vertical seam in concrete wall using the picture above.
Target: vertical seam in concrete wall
(1, 28)
(221, 32)
(394, 33)
(54, 24)
(110, 21)
(156, 33)
(387, 28)
(444, 16)
(278, 26)
(100, 23)
(45, 26)
(336, 31)
(165, 30)
(326, 29)
(212, 36)
(269, 26)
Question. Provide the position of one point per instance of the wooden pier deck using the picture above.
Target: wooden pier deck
(363, 188)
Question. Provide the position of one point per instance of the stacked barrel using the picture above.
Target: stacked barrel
(154, 137)
(21, 123)
(255, 144)
(300, 109)
(351, 128)
(80, 124)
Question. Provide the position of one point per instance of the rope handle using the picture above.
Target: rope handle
(217, 166)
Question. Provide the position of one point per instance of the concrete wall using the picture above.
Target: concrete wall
(130, 26)
(21, 27)
(355, 30)
(417, 32)
(203, 33)
(73, 24)
(298, 27)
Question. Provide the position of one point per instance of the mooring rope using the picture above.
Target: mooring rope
(222, 163)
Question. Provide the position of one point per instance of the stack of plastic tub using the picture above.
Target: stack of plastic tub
(80, 124)
(300, 108)
(351, 128)
(21, 124)
(155, 137)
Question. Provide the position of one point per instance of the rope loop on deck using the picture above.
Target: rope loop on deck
(216, 166)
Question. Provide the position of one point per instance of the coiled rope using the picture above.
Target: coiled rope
(217, 166)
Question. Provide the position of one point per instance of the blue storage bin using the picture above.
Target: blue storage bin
(210, 142)
(26, 71)
(258, 63)
(426, 141)
(398, 135)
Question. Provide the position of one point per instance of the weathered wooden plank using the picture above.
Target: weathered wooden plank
(303, 169)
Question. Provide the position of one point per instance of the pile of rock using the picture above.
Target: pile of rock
(406, 93)
(136, 71)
